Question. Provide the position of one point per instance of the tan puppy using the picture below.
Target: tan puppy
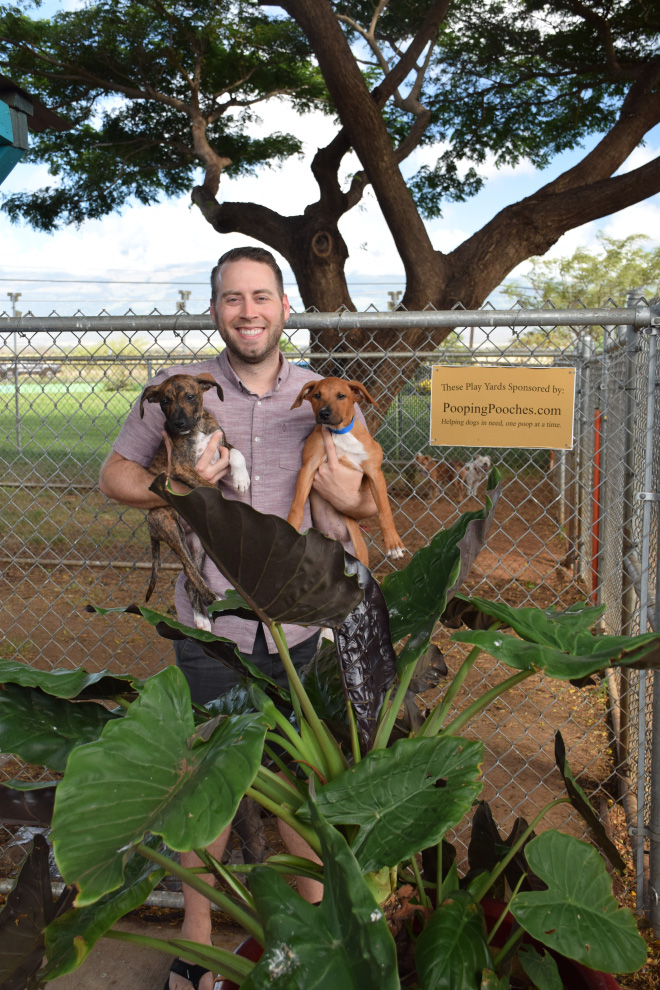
(444, 474)
(332, 400)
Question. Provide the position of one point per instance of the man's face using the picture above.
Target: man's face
(248, 311)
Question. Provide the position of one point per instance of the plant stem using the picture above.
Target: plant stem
(237, 888)
(385, 728)
(242, 917)
(233, 967)
(284, 770)
(285, 863)
(436, 720)
(276, 789)
(286, 815)
(352, 725)
(510, 944)
(420, 886)
(292, 750)
(489, 696)
(334, 762)
(494, 930)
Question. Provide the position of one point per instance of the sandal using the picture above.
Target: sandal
(189, 971)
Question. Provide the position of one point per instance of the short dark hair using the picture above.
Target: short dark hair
(258, 254)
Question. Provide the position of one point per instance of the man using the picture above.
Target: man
(248, 308)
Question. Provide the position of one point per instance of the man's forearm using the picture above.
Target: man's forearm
(128, 482)
(361, 506)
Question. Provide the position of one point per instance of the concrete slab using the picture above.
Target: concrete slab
(113, 965)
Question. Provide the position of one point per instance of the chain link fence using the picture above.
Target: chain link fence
(570, 525)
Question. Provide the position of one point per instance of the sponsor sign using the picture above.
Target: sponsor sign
(502, 407)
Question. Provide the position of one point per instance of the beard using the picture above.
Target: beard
(242, 350)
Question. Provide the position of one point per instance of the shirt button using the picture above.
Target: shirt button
(259, 402)
(256, 477)
(256, 439)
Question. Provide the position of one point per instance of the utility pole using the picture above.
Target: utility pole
(181, 308)
(14, 297)
(394, 300)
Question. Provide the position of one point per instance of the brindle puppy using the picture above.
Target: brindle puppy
(189, 427)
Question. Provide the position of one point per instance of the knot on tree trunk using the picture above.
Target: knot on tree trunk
(322, 244)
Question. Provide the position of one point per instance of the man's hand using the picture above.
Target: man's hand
(340, 485)
(213, 472)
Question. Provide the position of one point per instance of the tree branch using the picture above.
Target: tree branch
(639, 112)
(533, 225)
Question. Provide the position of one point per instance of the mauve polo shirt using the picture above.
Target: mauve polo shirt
(268, 433)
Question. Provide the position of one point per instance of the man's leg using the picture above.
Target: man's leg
(207, 679)
(196, 925)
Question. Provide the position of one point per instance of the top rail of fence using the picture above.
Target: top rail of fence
(640, 316)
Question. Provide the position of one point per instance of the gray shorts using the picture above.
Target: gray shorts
(208, 678)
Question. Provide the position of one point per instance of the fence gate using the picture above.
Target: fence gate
(570, 525)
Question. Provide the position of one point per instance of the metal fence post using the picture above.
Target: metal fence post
(650, 499)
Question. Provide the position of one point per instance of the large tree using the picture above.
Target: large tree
(473, 79)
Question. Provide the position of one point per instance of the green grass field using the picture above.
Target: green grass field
(65, 430)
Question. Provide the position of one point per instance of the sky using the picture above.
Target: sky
(143, 257)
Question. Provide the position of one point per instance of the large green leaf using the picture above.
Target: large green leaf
(567, 633)
(562, 629)
(149, 773)
(67, 683)
(577, 915)
(344, 942)
(27, 911)
(417, 595)
(452, 950)
(403, 798)
(285, 576)
(71, 937)
(43, 729)
(598, 652)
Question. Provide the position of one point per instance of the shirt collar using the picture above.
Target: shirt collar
(227, 370)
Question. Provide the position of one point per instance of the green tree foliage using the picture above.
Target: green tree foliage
(589, 280)
(151, 89)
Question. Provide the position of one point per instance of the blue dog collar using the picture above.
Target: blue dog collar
(346, 429)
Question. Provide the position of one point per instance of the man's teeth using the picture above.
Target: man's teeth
(249, 331)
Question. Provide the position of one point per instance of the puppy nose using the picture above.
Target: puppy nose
(325, 413)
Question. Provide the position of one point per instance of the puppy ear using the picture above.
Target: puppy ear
(207, 381)
(360, 393)
(304, 394)
(150, 394)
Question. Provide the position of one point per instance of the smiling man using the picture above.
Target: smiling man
(249, 309)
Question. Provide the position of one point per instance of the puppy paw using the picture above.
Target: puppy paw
(395, 553)
(202, 621)
(241, 481)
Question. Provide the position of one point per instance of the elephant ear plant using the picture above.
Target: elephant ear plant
(146, 774)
